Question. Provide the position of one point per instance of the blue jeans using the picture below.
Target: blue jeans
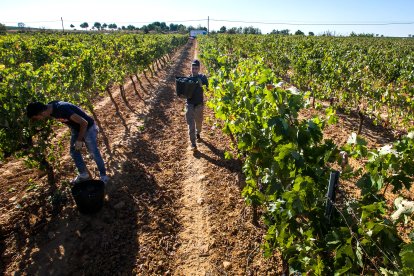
(91, 145)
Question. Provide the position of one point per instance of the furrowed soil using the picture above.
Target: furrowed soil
(167, 210)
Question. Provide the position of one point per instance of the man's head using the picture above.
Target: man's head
(195, 67)
(195, 62)
(36, 111)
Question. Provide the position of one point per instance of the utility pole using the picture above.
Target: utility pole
(62, 24)
(208, 24)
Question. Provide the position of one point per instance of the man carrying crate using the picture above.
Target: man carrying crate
(195, 105)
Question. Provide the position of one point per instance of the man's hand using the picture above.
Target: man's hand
(83, 125)
(78, 145)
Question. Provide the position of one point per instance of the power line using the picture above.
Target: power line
(292, 23)
(49, 21)
(119, 22)
(139, 22)
(314, 24)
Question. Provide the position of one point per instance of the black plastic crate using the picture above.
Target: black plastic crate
(89, 196)
(185, 86)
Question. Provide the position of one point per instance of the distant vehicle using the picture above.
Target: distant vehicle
(194, 33)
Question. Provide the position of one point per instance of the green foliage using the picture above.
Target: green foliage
(74, 68)
(287, 161)
(390, 165)
(84, 25)
(407, 258)
(2, 29)
(370, 75)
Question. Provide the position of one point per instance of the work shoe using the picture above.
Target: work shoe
(198, 137)
(80, 178)
(105, 179)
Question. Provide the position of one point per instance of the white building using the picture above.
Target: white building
(195, 33)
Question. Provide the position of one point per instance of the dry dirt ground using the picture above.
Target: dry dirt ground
(168, 211)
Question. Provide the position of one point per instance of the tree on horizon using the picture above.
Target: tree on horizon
(84, 25)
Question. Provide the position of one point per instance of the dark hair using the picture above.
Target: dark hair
(35, 108)
(195, 62)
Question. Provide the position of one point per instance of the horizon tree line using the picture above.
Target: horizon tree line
(162, 27)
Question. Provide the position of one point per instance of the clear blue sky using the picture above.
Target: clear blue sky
(47, 13)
